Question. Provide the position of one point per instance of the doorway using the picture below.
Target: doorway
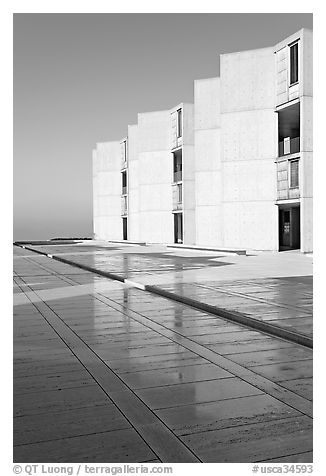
(289, 228)
(124, 229)
(178, 228)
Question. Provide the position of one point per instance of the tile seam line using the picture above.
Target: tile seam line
(69, 437)
(232, 316)
(99, 384)
(272, 459)
(193, 342)
(243, 424)
(289, 362)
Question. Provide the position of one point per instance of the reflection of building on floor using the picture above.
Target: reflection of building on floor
(232, 170)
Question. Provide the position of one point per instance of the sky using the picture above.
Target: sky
(82, 78)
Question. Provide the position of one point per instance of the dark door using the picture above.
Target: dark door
(178, 228)
(286, 227)
(295, 227)
(289, 228)
(125, 228)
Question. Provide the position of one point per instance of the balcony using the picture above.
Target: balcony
(177, 193)
(177, 206)
(290, 146)
(177, 176)
(124, 206)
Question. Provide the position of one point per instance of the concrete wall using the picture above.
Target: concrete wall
(188, 175)
(306, 134)
(133, 184)
(107, 191)
(155, 177)
(208, 180)
(248, 144)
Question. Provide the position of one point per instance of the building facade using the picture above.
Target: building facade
(232, 170)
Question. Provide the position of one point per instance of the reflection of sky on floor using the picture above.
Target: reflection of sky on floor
(87, 341)
(260, 285)
(64, 292)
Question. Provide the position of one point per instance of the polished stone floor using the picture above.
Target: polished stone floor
(104, 372)
(272, 287)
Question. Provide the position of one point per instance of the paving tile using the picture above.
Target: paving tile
(237, 347)
(47, 366)
(75, 422)
(57, 381)
(306, 457)
(199, 392)
(59, 400)
(146, 351)
(114, 446)
(301, 386)
(176, 375)
(126, 364)
(286, 371)
(236, 412)
(254, 442)
(286, 354)
(224, 337)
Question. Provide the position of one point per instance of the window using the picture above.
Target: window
(294, 63)
(294, 173)
(179, 123)
(177, 166)
(124, 182)
(179, 189)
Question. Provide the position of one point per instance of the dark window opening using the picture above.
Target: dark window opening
(124, 228)
(179, 123)
(177, 166)
(124, 182)
(178, 228)
(294, 63)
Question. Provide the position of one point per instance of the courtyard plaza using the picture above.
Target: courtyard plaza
(106, 372)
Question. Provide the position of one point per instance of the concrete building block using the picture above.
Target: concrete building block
(306, 224)
(153, 129)
(207, 103)
(188, 124)
(248, 134)
(306, 174)
(207, 150)
(307, 62)
(247, 80)
(306, 126)
(208, 188)
(251, 224)
(209, 226)
(250, 180)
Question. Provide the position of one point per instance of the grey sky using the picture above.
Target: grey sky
(81, 79)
